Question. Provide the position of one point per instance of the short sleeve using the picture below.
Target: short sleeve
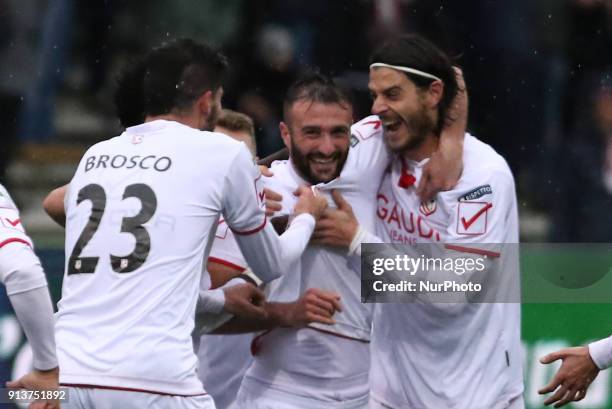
(225, 250)
(243, 195)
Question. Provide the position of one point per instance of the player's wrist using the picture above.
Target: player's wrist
(600, 353)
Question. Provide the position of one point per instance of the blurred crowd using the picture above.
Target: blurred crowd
(538, 72)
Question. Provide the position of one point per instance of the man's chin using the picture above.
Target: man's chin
(318, 177)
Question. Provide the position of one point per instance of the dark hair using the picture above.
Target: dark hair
(414, 51)
(315, 87)
(170, 77)
(129, 94)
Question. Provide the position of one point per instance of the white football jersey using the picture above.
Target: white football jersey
(12, 234)
(224, 359)
(11, 229)
(319, 361)
(141, 212)
(432, 355)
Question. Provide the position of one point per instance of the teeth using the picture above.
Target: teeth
(389, 124)
(323, 161)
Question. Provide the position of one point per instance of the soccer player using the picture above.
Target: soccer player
(580, 367)
(26, 287)
(433, 355)
(141, 210)
(321, 366)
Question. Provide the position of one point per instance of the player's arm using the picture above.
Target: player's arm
(580, 367)
(26, 287)
(314, 306)
(265, 252)
(444, 168)
(54, 205)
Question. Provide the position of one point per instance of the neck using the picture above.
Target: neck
(424, 150)
(187, 120)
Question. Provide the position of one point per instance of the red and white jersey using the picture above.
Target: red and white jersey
(141, 212)
(429, 355)
(12, 234)
(319, 361)
(224, 359)
(11, 229)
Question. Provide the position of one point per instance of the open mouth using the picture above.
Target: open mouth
(324, 161)
(392, 126)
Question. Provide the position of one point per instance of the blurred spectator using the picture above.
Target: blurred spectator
(19, 22)
(581, 206)
(37, 119)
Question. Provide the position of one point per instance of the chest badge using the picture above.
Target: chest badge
(428, 208)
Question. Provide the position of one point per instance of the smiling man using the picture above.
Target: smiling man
(315, 366)
(429, 354)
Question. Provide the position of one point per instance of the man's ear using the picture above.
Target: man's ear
(435, 93)
(205, 103)
(285, 134)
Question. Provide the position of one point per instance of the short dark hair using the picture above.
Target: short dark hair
(236, 121)
(170, 77)
(178, 73)
(315, 87)
(414, 51)
(129, 94)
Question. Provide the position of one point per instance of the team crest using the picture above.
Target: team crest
(428, 208)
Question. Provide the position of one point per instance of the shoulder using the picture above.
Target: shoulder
(485, 173)
(281, 178)
(5, 199)
(368, 128)
(481, 161)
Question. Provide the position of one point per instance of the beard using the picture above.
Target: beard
(303, 164)
(418, 126)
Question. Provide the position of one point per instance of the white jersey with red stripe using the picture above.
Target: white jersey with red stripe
(319, 361)
(465, 356)
(141, 211)
(11, 229)
(224, 359)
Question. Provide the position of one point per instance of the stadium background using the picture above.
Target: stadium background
(538, 73)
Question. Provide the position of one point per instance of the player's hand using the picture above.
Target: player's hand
(315, 306)
(336, 227)
(573, 378)
(39, 381)
(245, 301)
(444, 168)
(265, 171)
(273, 201)
(310, 202)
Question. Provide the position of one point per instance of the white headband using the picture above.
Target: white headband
(406, 69)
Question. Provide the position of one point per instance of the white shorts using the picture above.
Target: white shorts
(275, 399)
(94, 398)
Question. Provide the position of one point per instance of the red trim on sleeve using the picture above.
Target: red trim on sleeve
(252, 231)
(14, 240)
(472, 250)
(226, 263)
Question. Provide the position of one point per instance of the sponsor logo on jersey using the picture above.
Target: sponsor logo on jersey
(404, 226)
(428, 208)
(476, 193)
(472, 218)
(354, 140)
